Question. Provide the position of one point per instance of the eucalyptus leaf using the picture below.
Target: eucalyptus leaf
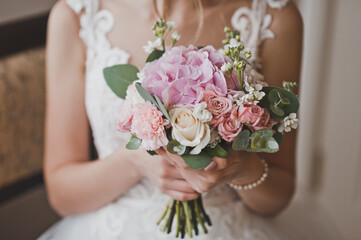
(273, 96)
(162, 108)
(278, 136)
(119, 77)
(217, 151)
(134, 143)
(277, 110)
(152, 153)
(242, 141)
(154, 55)
(200, 161)
(175, 147)
(285, 101)
(287, 108)
(144, 94)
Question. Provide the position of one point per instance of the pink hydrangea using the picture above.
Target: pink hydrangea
(148, 125)
(181, 74)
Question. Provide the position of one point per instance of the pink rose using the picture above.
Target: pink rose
(250, 113)
(125, 117)
(264, 122)
(217, 104)
(230, 126)
(148, 125)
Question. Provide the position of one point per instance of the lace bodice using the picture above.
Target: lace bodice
(144, 202)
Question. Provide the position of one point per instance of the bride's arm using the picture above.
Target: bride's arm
(75, 184)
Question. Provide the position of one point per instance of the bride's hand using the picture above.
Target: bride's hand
(240, 168)
(166, 177)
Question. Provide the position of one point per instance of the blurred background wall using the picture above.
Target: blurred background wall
(329, 146)
(329, 152)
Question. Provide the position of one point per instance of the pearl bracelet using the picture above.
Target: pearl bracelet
(254, 184)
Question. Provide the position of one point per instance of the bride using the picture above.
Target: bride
(121, 194)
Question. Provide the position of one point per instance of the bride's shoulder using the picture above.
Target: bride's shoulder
(63, 32)
(64, 19)
(286, 19)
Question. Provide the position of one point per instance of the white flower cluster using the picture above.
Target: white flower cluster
(233, 43)
(140, 76)
(152, 45)
(254, 94)
(200, 112)
(226, 67)
(175, 36)
(289, 122)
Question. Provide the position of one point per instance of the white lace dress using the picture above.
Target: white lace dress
(134, 214)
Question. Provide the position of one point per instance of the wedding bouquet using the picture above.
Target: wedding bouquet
(197, 102)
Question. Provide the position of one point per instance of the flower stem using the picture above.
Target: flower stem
(169, 210)
(240, 79)
(188, 219)
(196, 208)
(178, 218)
(163, 214)
(205, 215)
(171, 217)
(194, 217)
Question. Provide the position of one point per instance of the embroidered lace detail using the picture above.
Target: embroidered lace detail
(253, 25)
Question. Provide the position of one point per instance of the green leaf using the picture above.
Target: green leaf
(200, 161)
(119, 77)
(278, 136)
(152, 153)
(217, 151)
(285, 101)
(273, 96)
(154, 55)
(262, 141)
(287, 108)
(162, 108)
(175, 147)
(277, 110)
(144, 94)
(134, 143)
(242, 141)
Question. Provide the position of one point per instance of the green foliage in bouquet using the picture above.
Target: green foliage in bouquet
(119, 77)
(258, 141)
(279, 102)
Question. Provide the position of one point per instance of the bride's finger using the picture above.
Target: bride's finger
(180, 185)
(182, 196)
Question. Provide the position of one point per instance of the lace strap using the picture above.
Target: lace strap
(94, 24)
(253, 25)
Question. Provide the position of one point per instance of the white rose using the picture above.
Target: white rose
(189, 130)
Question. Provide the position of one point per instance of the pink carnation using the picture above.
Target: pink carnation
(183, 73)
(264, 122)
(230, 126)
(125, 117)
(148, 125)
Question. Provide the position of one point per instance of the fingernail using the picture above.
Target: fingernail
(211, 166)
